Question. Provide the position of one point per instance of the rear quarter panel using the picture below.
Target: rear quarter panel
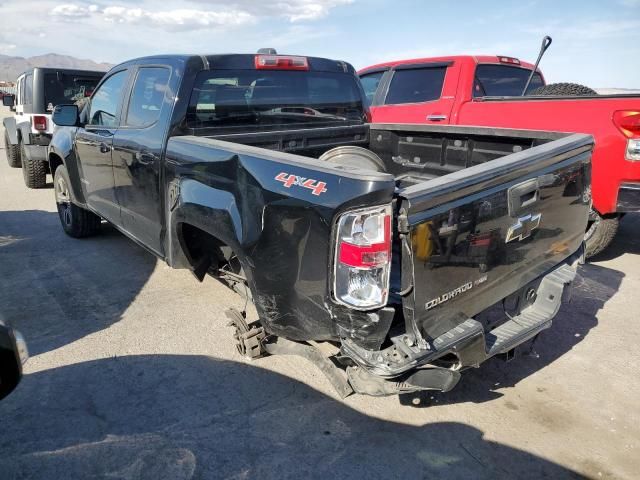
(282, 235)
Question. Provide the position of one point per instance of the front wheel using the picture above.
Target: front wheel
(601, 231)
(76, 221)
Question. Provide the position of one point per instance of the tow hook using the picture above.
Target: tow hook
(249, 337)
(508, 355)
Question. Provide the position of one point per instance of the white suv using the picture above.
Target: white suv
(28, 132)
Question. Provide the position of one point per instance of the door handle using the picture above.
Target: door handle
(436, 117)
(145, 158)
(104, 148)
(523, 195)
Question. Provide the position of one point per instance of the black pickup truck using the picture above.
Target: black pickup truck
(373, 250)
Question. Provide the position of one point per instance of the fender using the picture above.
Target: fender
(62, 147)
(25, 131)
(11, 129)
(212, 211)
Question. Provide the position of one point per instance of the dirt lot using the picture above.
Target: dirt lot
(133, 375)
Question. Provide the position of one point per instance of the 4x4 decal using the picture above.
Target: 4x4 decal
(315, 186)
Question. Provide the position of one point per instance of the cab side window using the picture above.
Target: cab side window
(28, 90)
(147, 96)
(416, 85)
(370, 84)
(21, 92)
(27, 94)
(106, 100)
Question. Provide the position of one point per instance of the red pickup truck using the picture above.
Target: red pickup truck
(487, 91)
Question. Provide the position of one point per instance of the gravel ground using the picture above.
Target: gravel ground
(134, 375)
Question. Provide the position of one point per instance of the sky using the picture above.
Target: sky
(596, 43)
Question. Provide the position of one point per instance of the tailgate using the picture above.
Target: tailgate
(474, 237)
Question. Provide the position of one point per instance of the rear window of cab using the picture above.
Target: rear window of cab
(271, 98)
(495, 80)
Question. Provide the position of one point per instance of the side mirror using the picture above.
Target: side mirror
(13, 354)
(66, 116)
(8, 100)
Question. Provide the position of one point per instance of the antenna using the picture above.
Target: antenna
(546, 42)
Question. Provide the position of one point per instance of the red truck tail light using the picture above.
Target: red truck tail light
(281, 62)
(628, 122)
(363, 258)
(39, 122)
(510, 60)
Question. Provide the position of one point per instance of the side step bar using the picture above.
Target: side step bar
(533, 319)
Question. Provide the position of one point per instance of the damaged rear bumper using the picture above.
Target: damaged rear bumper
(468, 341)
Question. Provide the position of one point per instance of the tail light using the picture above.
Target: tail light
(511, 60)
(39, 122)
(363, 258)
(367, 115)
(628, 122)
(281, 62)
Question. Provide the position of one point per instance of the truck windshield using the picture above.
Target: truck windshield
(503, 81)
(268, 99)
(67, 88)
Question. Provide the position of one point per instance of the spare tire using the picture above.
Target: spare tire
(354, 157)
(574, 89)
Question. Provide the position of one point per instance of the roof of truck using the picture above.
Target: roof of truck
(242, 61)
(74, 71)
(449, 58)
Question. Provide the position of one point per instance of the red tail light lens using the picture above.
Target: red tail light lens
(511, 60)
(368, 116)
(363, 258)
(628, 122)
(281, 62)
(39, 122)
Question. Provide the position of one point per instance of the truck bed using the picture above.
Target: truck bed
(481, 215)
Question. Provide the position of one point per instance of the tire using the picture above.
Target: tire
(567, 89)
(33, 171)
(13, 152)
(600, 233)
(76, 221)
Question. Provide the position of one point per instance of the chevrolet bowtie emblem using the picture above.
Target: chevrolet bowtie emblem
(523, 227)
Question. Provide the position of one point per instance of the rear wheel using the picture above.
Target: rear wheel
(33, 171)
(76, 221)
(13, 152)
(601, 231)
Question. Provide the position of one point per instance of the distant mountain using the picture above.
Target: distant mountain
(11, 67)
